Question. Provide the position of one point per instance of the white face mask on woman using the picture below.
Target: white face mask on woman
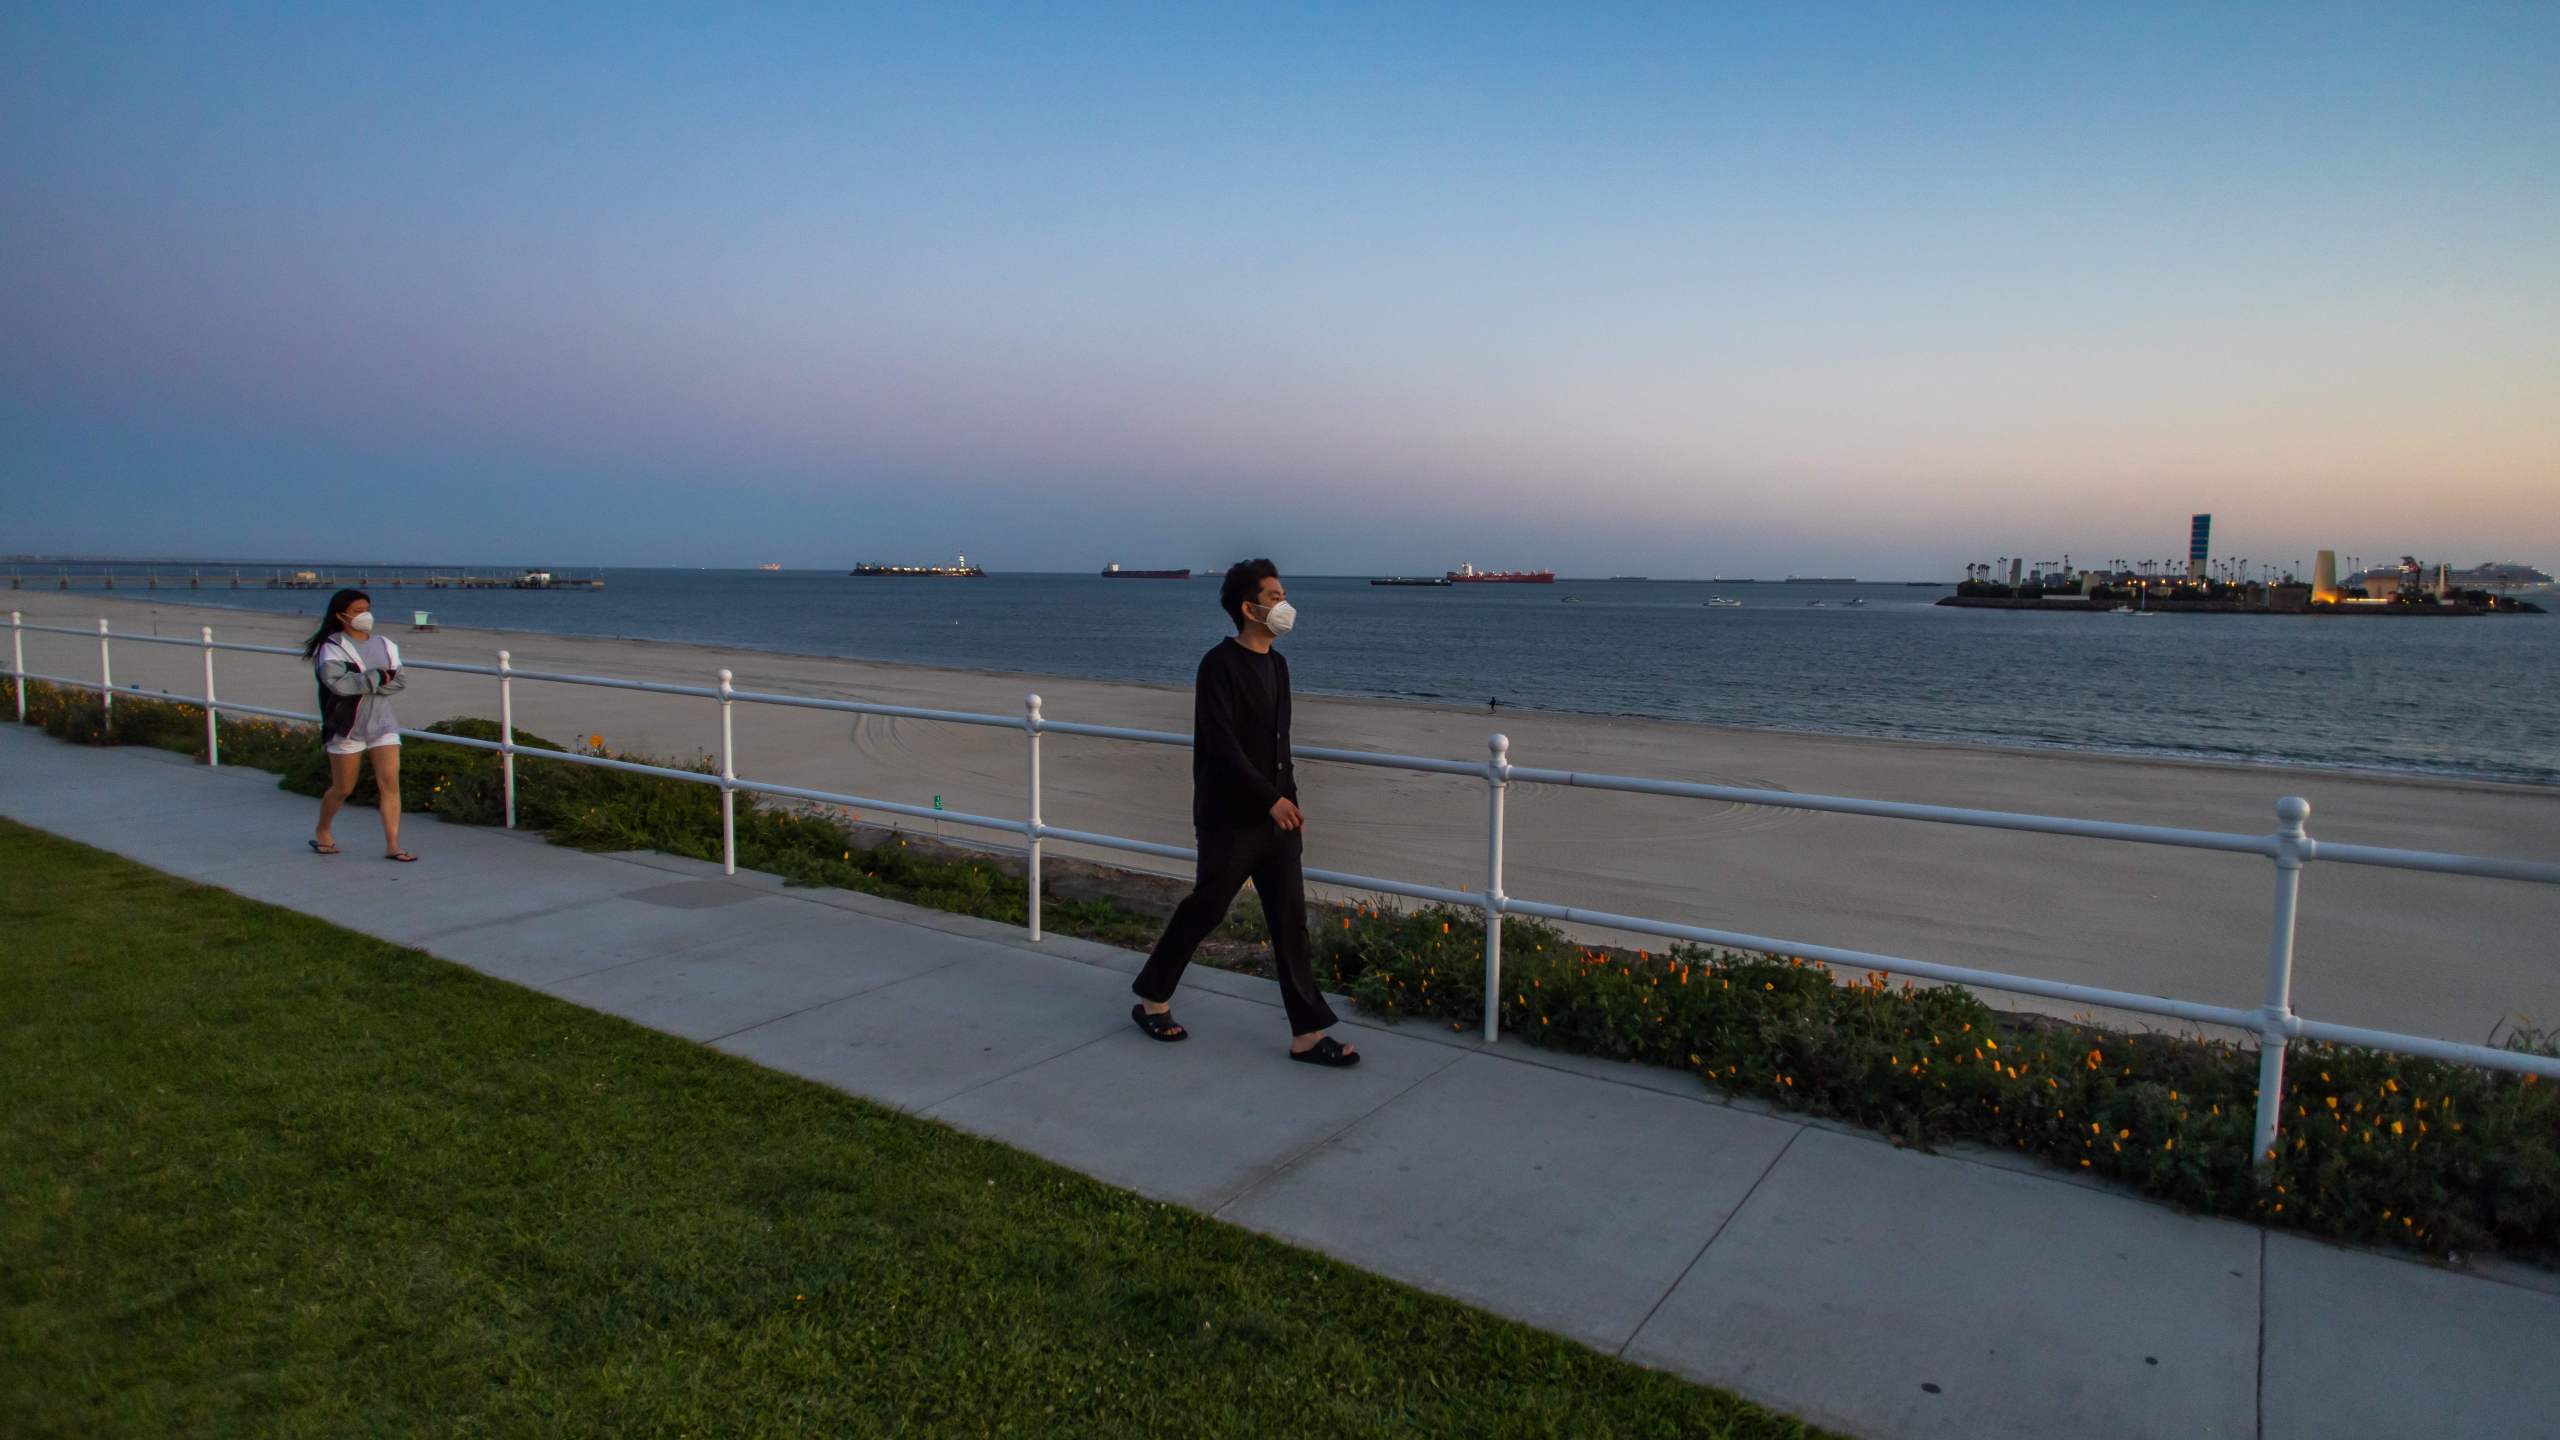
(361, 622)
(1280, 618)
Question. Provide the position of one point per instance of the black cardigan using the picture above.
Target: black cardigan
(1240, 738)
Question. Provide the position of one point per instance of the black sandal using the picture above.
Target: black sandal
(1327, 1052)
(319, 849)
(1159, 1025)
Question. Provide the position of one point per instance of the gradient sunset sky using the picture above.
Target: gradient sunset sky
(1673, 290)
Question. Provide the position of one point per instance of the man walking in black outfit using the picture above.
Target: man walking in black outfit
(1244, 808)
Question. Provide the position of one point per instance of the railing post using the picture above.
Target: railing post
(2277, 1014)
(507, 734)
(106, 672)
(18, 660)
(212, 737)
(1031, 829)
(728, 782)
(1497, 779)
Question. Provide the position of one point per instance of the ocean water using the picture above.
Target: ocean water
(2476, 698)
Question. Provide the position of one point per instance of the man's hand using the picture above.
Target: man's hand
(1284, 813)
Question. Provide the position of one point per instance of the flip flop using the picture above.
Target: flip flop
(403, 856)
(1161, 1026)
(319, 849)
(1327, 1052)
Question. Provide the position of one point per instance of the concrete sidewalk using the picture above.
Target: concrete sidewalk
(1817, 1269)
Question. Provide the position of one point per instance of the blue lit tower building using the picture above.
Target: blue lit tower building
(2199, 545)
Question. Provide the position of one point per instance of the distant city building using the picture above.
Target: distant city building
(2199, 545)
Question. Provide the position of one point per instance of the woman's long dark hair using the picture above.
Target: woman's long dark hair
(330, 624)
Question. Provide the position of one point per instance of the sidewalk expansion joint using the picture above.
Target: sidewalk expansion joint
(679, 953)
(501, 921)
(1730, 1216)
(926, 1108)
(805, 1009)
(2258, 1392)
(1291, 1163)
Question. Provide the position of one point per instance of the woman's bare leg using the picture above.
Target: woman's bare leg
(342, 783)
(386, 778)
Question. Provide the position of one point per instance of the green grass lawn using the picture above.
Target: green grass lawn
(261, 1175)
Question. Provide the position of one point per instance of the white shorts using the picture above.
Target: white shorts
(345, 745)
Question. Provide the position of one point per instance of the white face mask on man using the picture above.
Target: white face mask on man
(361, 622)
(1280, 618)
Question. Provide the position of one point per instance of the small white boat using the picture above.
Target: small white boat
(1722, 603)
(1856, 602)
(1813, 604)
(2124, 610)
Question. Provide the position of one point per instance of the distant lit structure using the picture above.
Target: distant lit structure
(2237, 585)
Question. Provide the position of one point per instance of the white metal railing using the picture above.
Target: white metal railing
(2289, 846)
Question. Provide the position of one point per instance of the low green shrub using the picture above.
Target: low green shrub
(79, 716)
(458, 782)
(2375, 1147)
(83, 718)
(255, 744)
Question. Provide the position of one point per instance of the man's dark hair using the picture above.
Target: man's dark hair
(1243, 583)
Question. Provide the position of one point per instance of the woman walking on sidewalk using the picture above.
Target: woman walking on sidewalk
(1244, 809)
(356, 669)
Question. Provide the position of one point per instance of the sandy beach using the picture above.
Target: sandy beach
(2440, 955)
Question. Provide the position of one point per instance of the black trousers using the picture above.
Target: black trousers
(1274, 860)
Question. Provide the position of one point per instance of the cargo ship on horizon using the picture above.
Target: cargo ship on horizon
(959, 570)
(1114, 572)
(1470, 575)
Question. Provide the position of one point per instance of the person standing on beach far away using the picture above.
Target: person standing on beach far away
(1244, 810)
(356, 670)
